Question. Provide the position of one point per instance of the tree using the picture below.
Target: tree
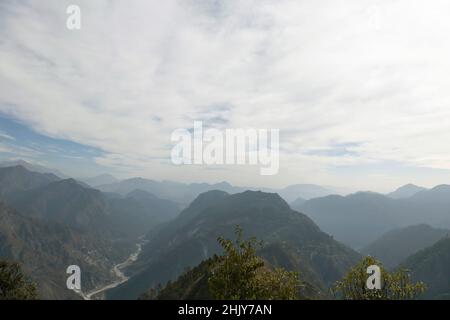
(395, 285)
(239, 274)
(14, 285)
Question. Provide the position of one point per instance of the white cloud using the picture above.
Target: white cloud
(21, 151)
(6, 136)
(324, 72)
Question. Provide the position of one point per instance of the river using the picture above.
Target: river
(117, 270)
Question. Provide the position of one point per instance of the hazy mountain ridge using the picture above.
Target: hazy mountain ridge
(46, 249)
(178, 192)
(183, 193)
(355, 220)
(97, 229)
(32, 167)
(73, 203)
(19, 179)
(396, 245)
(68, 202)
(432, 266)
(405, 191)
(58, 215)
(361, 218)
(186, 193)
(181, 244)
(141, 211)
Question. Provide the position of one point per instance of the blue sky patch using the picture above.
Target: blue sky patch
(18, 141)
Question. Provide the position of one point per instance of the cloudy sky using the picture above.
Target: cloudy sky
(359, 89)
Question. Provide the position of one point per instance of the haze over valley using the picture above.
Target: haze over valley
(162, 228)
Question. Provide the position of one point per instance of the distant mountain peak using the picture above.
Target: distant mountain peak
(31, 167)
(410, 185)
(441, 187)
(251, 195)
(18, 179)
(406, 191)
(192, 237)
(209, 196)
(438, 194)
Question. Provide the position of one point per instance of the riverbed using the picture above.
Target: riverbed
(117, 270)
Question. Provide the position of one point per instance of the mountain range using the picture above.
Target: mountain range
(32, 167)
(359, 219)
(396, 245)
(43, 215)
(432, 266)
(186, 193)
(46, 249)
(405, 191)
(14, 180)
(291, 240)
(49, 221)
(182, 193)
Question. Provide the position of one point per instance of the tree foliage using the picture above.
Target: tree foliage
(396, 285)
(14, 285)
(239, 274)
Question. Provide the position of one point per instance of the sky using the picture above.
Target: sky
(359, 89)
